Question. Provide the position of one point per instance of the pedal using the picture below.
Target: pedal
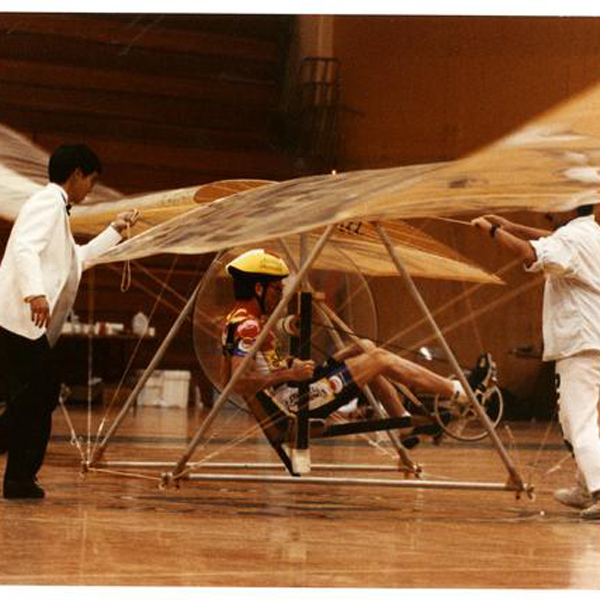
(410, 442)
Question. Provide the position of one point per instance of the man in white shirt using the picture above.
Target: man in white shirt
(39, 276)
(570, 261)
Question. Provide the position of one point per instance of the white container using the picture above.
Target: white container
(176, 388)
(139, 324)
(152, 392)
(168, 389)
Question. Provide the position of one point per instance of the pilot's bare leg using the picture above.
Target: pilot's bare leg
(364, 368)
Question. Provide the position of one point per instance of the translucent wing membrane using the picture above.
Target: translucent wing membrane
(549, 165)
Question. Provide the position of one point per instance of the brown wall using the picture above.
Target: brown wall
(166, 100)
(419, 89)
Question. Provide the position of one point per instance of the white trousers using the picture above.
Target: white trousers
(578, 388)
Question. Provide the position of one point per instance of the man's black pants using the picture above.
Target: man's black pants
(33, 387)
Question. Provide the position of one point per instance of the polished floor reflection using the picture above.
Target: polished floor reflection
(106, 529)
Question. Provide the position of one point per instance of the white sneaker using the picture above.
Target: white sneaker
(591, 513)
(576, 497)
(458, 393)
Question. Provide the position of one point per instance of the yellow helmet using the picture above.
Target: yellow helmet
(258, 262)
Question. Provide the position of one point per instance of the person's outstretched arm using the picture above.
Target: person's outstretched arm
(519, 247)
(521, 231)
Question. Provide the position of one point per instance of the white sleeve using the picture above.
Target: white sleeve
(556, 255)
(99, 245)
(33, 229)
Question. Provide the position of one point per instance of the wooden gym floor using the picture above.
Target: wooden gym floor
(111, 530)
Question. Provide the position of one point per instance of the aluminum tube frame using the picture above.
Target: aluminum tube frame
(354, 481)
(247, 465)
(288, 293)
(74, 437)
(516, 478)
(301, 438)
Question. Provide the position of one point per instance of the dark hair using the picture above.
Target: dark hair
(244, 283)
(585, 209)
(69, 157)
(243, 288)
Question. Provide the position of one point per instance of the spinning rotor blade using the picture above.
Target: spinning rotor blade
(547, 165)
(156, 207)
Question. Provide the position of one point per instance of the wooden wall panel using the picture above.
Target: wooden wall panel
(418, 89)
(261, 94)
(193, 160)
(131, 105)
(200, 93)
(159, 32)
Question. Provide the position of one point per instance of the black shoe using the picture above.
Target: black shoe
(433, 429)
(430, 425)
(14, 490)
(410, 441)
(483, 374)
(445, 416)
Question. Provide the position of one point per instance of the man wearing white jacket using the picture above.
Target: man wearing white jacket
(39, 277)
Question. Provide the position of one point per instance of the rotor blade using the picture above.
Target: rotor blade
(548, 165)
(156, 207)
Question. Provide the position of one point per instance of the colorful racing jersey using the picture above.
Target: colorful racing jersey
(240, 333)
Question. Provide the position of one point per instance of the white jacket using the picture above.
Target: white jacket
(39, 256)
